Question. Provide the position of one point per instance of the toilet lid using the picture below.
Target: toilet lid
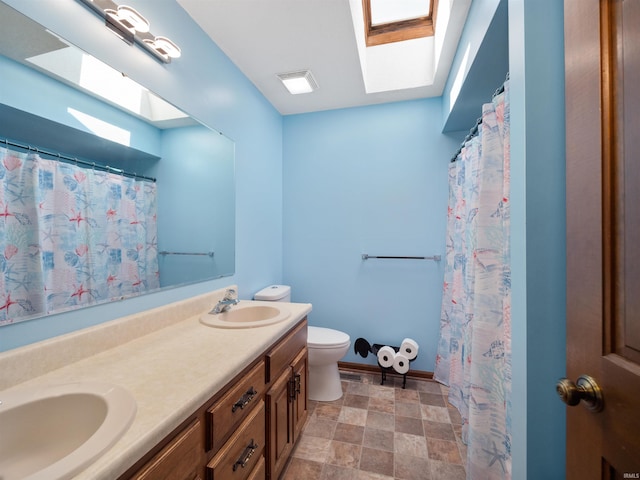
(320, 337)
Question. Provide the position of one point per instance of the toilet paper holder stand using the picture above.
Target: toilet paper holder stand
(363, 348)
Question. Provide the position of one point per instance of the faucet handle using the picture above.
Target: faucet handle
(228, 295)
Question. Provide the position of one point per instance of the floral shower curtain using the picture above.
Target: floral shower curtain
(474, 350)
(71, 236)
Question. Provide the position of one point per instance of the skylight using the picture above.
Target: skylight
(387, 11)
(389, 21)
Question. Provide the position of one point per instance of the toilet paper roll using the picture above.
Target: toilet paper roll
(401, 363)
(386, 357)
(409, 348)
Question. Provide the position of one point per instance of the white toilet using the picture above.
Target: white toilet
(326, 346)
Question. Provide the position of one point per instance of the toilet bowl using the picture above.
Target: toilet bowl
(325, 346)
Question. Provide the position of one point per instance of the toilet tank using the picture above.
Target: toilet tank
(274, 293)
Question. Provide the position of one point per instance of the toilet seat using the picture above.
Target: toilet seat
(320, 337)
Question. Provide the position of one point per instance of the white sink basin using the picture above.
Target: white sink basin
(248, 314)
(54, 432)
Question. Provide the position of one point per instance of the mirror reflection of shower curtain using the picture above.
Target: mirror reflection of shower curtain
(71, 236)
(474, 350)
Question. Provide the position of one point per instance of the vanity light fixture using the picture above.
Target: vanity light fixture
(131, 26)
(298, 82)
(164, 47)
(130, 18)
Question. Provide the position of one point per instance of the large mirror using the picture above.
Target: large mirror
(106, 190)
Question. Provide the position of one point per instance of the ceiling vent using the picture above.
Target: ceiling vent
(298, 82)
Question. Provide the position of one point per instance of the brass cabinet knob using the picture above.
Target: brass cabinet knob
(585, 389)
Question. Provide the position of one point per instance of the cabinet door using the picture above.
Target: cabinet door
(300, 407)
(279, 423)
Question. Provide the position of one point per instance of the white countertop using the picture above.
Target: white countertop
(171, 372)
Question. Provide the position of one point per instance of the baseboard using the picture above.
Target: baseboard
(364, 368)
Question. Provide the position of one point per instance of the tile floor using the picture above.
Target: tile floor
(380, 432)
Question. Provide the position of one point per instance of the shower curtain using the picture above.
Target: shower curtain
(474, 350)
(71, 236)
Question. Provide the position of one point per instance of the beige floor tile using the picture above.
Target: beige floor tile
(358, 388)
(408, 467)
(447, 471)
(407, 444)
(410, 425)
(435, 399)
(320, 427)
(312, 448)
(440, 430)
(328, 411)
(383, 421)
(408, 409)
(378, 439)
(349, 433)
(300, 468)
(335, 472)
(435, 414)
(379, 404)
(344, 454)
(356, 401)
(353, 416)
(443, 450)
(407, 396)
(380, 391)
(429, 386)
(377, 461)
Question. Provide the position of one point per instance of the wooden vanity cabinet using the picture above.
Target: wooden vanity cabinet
(244, 432)
(286, 399)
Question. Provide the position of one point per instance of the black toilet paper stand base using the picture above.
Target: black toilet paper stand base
(363, 348)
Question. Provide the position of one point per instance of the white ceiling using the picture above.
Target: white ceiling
(266, 37)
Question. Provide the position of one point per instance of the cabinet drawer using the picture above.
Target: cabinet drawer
(179, 460)
(280, 357)
(224, 417)
(260, 470)
(239, 456)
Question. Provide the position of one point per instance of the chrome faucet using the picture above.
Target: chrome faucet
(227, 301)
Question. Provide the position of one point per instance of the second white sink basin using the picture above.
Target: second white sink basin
(54, 432)
(248, 314)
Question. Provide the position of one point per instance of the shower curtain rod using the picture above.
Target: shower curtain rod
(474, 130)
(60, 156)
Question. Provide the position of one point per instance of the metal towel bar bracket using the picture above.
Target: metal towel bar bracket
(435, 258)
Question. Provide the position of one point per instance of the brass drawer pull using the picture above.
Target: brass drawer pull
(246, 455)
(244, 400)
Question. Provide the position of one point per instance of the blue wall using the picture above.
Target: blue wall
(536, 59)
(206, 84)
(368, 180)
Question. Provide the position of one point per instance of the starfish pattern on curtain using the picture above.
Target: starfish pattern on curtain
(71, 236)
(474, 349)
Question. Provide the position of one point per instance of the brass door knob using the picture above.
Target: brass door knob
(585, 389)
